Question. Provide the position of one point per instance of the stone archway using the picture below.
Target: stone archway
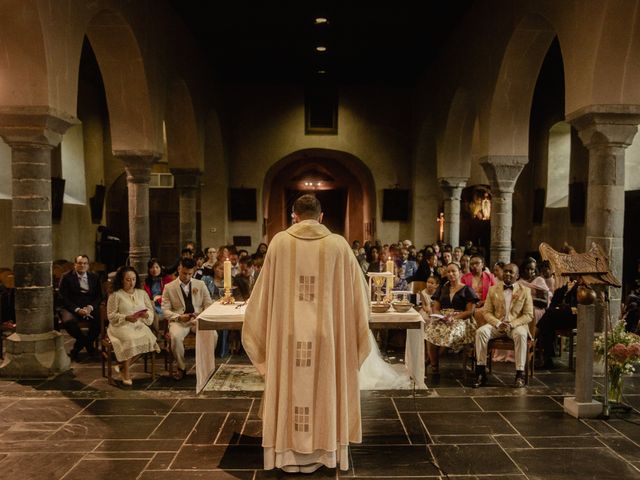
(342, 182)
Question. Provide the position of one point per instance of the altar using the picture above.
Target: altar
(231, 317)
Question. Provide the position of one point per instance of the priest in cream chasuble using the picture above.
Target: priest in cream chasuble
(306, 330)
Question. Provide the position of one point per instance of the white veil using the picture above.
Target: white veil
(376, 374)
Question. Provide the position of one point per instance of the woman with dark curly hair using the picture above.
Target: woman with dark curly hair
(130, 313)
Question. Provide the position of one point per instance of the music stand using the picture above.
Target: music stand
(592, 268)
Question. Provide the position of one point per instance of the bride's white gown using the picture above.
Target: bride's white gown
(376, 374)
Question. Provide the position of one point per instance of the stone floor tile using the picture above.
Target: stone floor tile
(512, 441)
(462, 439)
(44, 410)
(21, 435)
(461, 423)
(276, 473)
(252, 433)
(517, 404)
(39, 465)
(176, 426)
(255, 408)
(392, 461)
(627, 449)
(377, 408)
(6, 403)
(47, 446)
(163, 445)
(436, 404)
(197, 475)
(108, 427)
(161, 461)
(232, 429)
(103, 469)
(119, 456)
(206, 430)
(564, 442)
(213, 405)
(473, 459)
(546, 424)
(417, 432)
(383, 431)
(130, 406)
(624, 425)
(209, 457)
(597, 463)
(36, 426)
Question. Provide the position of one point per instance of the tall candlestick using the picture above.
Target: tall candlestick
(390, 279)
(227, 274)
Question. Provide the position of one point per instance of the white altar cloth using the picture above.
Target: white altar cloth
(230, 317)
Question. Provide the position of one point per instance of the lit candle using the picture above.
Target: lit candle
(227, 274)
(390, 278)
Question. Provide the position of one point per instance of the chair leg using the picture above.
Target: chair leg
(571, 337)
(153, 366)
(110, 370)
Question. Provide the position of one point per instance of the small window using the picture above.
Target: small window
(558, 165)
(321, 111)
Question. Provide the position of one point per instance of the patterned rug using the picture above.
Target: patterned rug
(235, 378)
(238, 378)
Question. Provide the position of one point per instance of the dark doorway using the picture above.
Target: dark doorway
(631, 242)
(334, 206)
(164, 220)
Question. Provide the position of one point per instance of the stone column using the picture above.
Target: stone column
(138, 168)
(503, 172)
(452, 190)
(607, 130)
(187, 181)
(35, 350)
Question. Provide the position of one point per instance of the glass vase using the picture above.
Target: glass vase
(616, 384)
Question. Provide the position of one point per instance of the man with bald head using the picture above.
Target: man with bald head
(508, 309)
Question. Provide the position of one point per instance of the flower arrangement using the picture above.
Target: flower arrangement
(623, 353)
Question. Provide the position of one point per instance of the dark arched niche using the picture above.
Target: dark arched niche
(346, 190)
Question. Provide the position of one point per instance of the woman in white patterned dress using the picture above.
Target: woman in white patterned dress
(130, 313)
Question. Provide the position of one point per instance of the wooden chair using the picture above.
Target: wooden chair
(570, 334)
(505, 343)
(189, 344)
(7, 309)
(106, 347)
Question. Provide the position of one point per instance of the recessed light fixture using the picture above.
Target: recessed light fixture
(321, 48)
(322, 72)
(321, 20)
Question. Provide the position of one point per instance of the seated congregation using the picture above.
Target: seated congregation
(505, 313)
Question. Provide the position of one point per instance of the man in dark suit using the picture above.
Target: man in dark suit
(80, 294)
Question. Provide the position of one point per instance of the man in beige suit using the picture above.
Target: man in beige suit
(182, 301)
(508, 309)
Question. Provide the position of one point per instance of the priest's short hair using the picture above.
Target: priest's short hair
(307, 206)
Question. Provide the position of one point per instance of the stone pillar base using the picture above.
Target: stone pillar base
(577, 409)
(39, 355)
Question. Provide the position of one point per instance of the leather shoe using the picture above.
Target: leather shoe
(480, 381)
(519, 383)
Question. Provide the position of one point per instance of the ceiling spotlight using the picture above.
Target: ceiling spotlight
(321, 48)
(321, 20)
(322, 72)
